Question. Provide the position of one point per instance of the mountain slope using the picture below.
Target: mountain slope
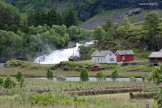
(117, 16)
(85, 8)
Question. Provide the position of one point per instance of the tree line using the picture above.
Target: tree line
(11, 19)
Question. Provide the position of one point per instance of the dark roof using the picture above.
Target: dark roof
(155, 55)
(73, 57)
(160, 50)
(125, 52)
(101, 53)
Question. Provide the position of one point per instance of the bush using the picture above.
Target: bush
(133, 79)
(60, 78)
(84, 75)
(1, 81)
(158, 99)
(100, 76)
(19, 75)
(49, 74)
(9, 83)
(124, 64)
(114, 75)
(50, 98)
(22, 82)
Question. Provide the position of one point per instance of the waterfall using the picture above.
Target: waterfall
(57, 56)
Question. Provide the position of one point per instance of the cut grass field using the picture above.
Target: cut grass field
(73, 69)
(121, 100)
(60, 72)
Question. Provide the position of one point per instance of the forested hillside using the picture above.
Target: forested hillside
(84, 8)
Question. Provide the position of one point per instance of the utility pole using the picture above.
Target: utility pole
(39, 56)
(73, 51)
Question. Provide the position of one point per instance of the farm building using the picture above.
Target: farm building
(124, 56)
(74, 58)
(103, 56)
(155, 58)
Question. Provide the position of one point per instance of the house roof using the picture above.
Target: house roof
(155, 55)
(125, 52)
(73, 57)
(160, 50)
(101, 53)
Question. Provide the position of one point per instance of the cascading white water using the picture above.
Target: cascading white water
(59, 55)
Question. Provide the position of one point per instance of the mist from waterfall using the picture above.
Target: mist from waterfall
(57, 56)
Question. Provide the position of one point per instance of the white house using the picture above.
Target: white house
(104, 56)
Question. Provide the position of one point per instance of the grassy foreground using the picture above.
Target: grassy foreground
(26, 97)
(101, 101)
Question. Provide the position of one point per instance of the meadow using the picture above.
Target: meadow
(53, 94)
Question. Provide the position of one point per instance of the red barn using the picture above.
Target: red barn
(124, 55)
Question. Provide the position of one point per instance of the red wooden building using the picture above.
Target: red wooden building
(124, 55)
(95, 68)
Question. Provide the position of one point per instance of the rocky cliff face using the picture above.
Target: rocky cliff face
(85, 8)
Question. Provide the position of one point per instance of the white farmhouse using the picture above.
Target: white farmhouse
(104, 56)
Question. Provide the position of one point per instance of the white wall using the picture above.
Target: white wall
(108, 57)
(104, 59)
(98, 59)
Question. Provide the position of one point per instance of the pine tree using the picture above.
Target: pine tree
(70, 18)
(19, 75)
(84, 75)
(114, 75)
(49, 74)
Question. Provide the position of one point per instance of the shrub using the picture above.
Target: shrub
(114, 75)
(1, 81)
(60, 78)
(158, 99)
(100, 76)
(9, 83)
(19, 75)
(22, 82)
(124, 64)
(84, 75)
(133, 79)
(49, 74)
(50, 98)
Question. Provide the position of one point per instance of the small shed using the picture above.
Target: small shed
(125, 55)
(74, 58)
(155, 58)
(95, 68)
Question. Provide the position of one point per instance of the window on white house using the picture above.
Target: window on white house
(110, 54)
(98, 59)
(111, 59)
(123, 57)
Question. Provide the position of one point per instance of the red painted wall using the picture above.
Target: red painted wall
(128, 58)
